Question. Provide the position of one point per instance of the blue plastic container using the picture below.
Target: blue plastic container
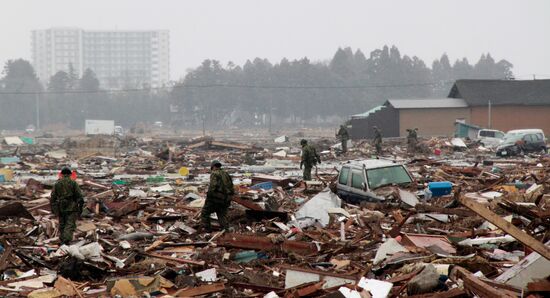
(439, 189)
(263, 185)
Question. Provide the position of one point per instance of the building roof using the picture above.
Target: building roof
(502, 92)
(427, 103)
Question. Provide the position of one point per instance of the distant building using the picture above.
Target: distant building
(120, 59)
(497, 104)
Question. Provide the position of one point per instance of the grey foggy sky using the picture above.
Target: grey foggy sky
(236, 30)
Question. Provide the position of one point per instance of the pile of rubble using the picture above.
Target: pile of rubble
(485, 235)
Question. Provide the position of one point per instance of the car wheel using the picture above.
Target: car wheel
(543, 150)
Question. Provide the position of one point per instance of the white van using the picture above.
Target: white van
(490, 137)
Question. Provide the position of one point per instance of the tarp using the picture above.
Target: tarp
(318, 207)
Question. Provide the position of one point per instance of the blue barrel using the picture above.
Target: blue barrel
(439, 189)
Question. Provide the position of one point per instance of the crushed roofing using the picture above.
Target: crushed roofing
(502, 92)
(427, 103)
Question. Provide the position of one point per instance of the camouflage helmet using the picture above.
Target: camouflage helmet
(215, 163)
(66, 171)
(303, 142)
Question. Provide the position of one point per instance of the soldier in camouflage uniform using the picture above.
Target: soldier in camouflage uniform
(344, 137)
(218, 197)
(377, 140)
(412, 140)
(67, 203)
(309, 159)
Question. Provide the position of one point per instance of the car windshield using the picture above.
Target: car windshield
(512, 138)
(386, 176)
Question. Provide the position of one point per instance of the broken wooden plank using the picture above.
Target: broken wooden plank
(452, 293)
(309, 290)
(202, 290)
(15, 209)
(12, 229)
(507, 227)
(246, 203)
(266, 244)
(177, 260)
(91, 183)
(230, 145)
(476, 286)
(451, 211)
(256, 288)
(539, 286)
(157, 243)
(119, 209)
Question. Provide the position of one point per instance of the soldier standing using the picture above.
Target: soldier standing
(67, 203)
(412, 139)
(344, 137)
(218, 197)
(309, 159)
(377, 140)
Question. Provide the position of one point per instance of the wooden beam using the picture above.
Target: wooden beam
(476, 286)
(202, 290)
(177, 260)
(507, 227)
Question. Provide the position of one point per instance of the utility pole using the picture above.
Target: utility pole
(37, 96)
(490, 115)
(270, 112)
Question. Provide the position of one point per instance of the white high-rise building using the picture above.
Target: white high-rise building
(120, 59)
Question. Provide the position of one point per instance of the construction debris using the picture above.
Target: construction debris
(469, 224)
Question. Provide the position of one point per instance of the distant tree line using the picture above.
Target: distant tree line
(292, 92)
(68, 100)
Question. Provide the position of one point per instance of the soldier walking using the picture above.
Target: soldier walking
(344, 137)
(309, 159)
(218, 197)
(67, 203)
(377, 140)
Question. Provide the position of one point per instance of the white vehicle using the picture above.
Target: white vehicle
(358, 178)
(99, 127)
(521, 141)
(490, 138)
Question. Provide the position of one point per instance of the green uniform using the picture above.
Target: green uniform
(309, 159)
(412, 140)
(378, 140)
(67, 203)
(344, 137)
(218, 198)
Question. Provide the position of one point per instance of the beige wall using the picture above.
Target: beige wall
(513, 117)
(431, 122)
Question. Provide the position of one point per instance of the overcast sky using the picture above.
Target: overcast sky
(236, 30)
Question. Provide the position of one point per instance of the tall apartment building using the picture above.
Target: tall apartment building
(120, 59)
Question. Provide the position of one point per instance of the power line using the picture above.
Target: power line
(236, 86)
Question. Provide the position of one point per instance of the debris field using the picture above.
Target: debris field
(485, 234)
